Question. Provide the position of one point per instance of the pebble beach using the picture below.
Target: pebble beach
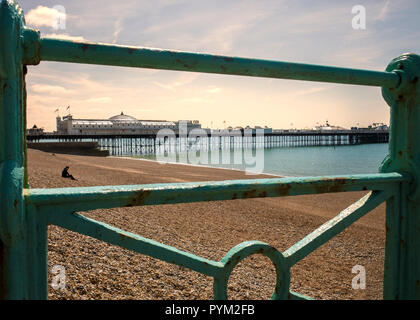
(99, 271)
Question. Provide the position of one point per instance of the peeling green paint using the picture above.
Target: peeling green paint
(25, 213)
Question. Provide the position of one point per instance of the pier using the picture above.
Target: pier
(126, 144)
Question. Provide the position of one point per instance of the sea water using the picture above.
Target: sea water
(295, 161)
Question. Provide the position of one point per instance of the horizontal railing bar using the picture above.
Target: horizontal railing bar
(90, 198)
(334, 226)
(104, 232)
(128, 56)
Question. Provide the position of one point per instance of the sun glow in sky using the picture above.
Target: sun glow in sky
(307, 31)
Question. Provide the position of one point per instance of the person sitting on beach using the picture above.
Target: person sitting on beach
(66, 174)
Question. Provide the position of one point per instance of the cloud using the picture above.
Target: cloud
(182, 80)
(222, 39)
(193, 100)
(64, 36)
(44, 16)
(165, 86)
(308, 91)
(50, 89)
(117, 30)
(366, 56)
(248, 28)
(212, 30)
(319, 20)
(99, 100)
(213, 90)
(384, 11)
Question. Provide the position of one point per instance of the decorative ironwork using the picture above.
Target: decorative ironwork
(25, 213)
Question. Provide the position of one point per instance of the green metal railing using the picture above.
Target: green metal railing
(25, 213)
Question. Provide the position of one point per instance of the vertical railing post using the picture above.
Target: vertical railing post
(402, 255)
(21, 248)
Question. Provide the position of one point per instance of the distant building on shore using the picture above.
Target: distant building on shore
(119, 124)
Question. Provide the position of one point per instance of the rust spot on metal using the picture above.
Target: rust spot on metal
(131, 50)
(139, 199)
(15, 203)
(250, 194)
(364, 188)
(336, 186)
(263, 194)
(415, 80)
(400, 153)
(85, 47)
(234, 196)
(169, 200)
(122, 236)
(283, 189)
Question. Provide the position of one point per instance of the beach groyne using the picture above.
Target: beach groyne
(76, 148)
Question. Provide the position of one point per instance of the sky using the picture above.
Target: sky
(305, 31)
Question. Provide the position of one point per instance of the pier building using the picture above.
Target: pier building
(118, 125)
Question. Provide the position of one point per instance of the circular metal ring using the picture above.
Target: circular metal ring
(244, 250)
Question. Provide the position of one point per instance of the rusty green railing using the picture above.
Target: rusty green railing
(25, 213)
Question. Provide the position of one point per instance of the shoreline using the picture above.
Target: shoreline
(294, 162)
(204, 166)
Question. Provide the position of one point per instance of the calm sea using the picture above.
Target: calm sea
(291, 161)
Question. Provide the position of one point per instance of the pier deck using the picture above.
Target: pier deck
(118, 144)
